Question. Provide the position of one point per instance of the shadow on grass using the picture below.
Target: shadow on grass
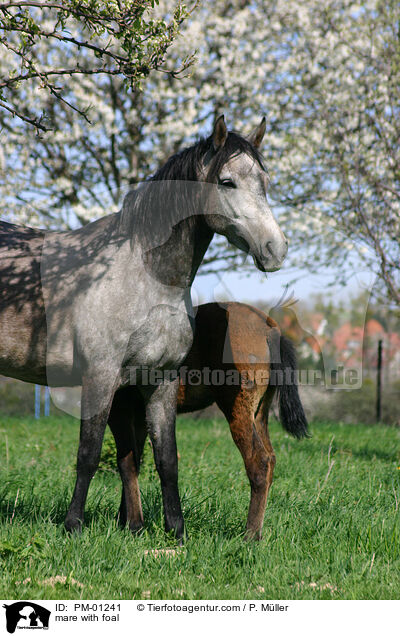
(313, 449)
(368, 453)
(28, 508)
(204, 516)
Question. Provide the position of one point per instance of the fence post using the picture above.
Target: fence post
(46, 401)
(37, 401)
(379, 383)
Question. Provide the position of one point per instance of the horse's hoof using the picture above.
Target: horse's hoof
(252, 535)
(136, 528)
(177, 530)
(121, 520)
(73, 525)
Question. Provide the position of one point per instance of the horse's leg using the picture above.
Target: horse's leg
(160, 418)
(95, 407)
(130, 509)
(127, 423)
(261, 425)
(258, 457)
(261, 420)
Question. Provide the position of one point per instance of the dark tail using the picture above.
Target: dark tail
(284, 378)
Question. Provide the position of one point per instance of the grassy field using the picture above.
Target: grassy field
(332, 527)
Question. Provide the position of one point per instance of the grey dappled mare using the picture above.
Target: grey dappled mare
(86, 307)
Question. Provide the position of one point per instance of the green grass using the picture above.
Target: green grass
(333, 535)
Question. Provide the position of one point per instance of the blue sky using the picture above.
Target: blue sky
(259, 286)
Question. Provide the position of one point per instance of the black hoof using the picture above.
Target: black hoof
(178, 532)
(73, 525)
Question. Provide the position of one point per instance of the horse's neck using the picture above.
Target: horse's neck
(175, 263)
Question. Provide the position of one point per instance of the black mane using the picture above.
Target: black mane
(184, 164)
(174, 191)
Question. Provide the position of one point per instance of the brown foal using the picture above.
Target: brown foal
(238, 360)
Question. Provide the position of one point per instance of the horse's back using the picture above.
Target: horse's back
(231, 334)
(20, 254)
(22, 314)
(228, 337)
(17, 237)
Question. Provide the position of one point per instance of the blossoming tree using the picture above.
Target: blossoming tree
(327, 77)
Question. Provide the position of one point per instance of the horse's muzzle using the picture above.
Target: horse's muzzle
(271, 260)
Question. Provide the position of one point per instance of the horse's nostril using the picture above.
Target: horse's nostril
(279, 254)
(269, 248)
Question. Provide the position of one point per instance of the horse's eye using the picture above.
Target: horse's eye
(228, 183)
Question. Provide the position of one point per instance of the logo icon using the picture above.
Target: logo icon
(26, 615)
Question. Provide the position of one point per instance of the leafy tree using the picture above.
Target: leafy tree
(114, 38)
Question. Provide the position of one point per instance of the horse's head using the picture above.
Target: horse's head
(240, 210)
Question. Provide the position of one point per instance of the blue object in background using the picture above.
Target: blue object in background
(37, 401)
(38, 389)
(46, 401)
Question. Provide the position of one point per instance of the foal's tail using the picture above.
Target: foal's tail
(283, 367)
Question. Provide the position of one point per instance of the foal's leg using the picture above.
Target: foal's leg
(258, 457)
(261, 425)
(127, 423)
(95, 407)
(261, 419)
(160, 417)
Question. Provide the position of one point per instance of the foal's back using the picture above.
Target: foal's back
(229, 337)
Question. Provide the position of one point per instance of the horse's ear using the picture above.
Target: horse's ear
(258, 133)
(219, 133)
